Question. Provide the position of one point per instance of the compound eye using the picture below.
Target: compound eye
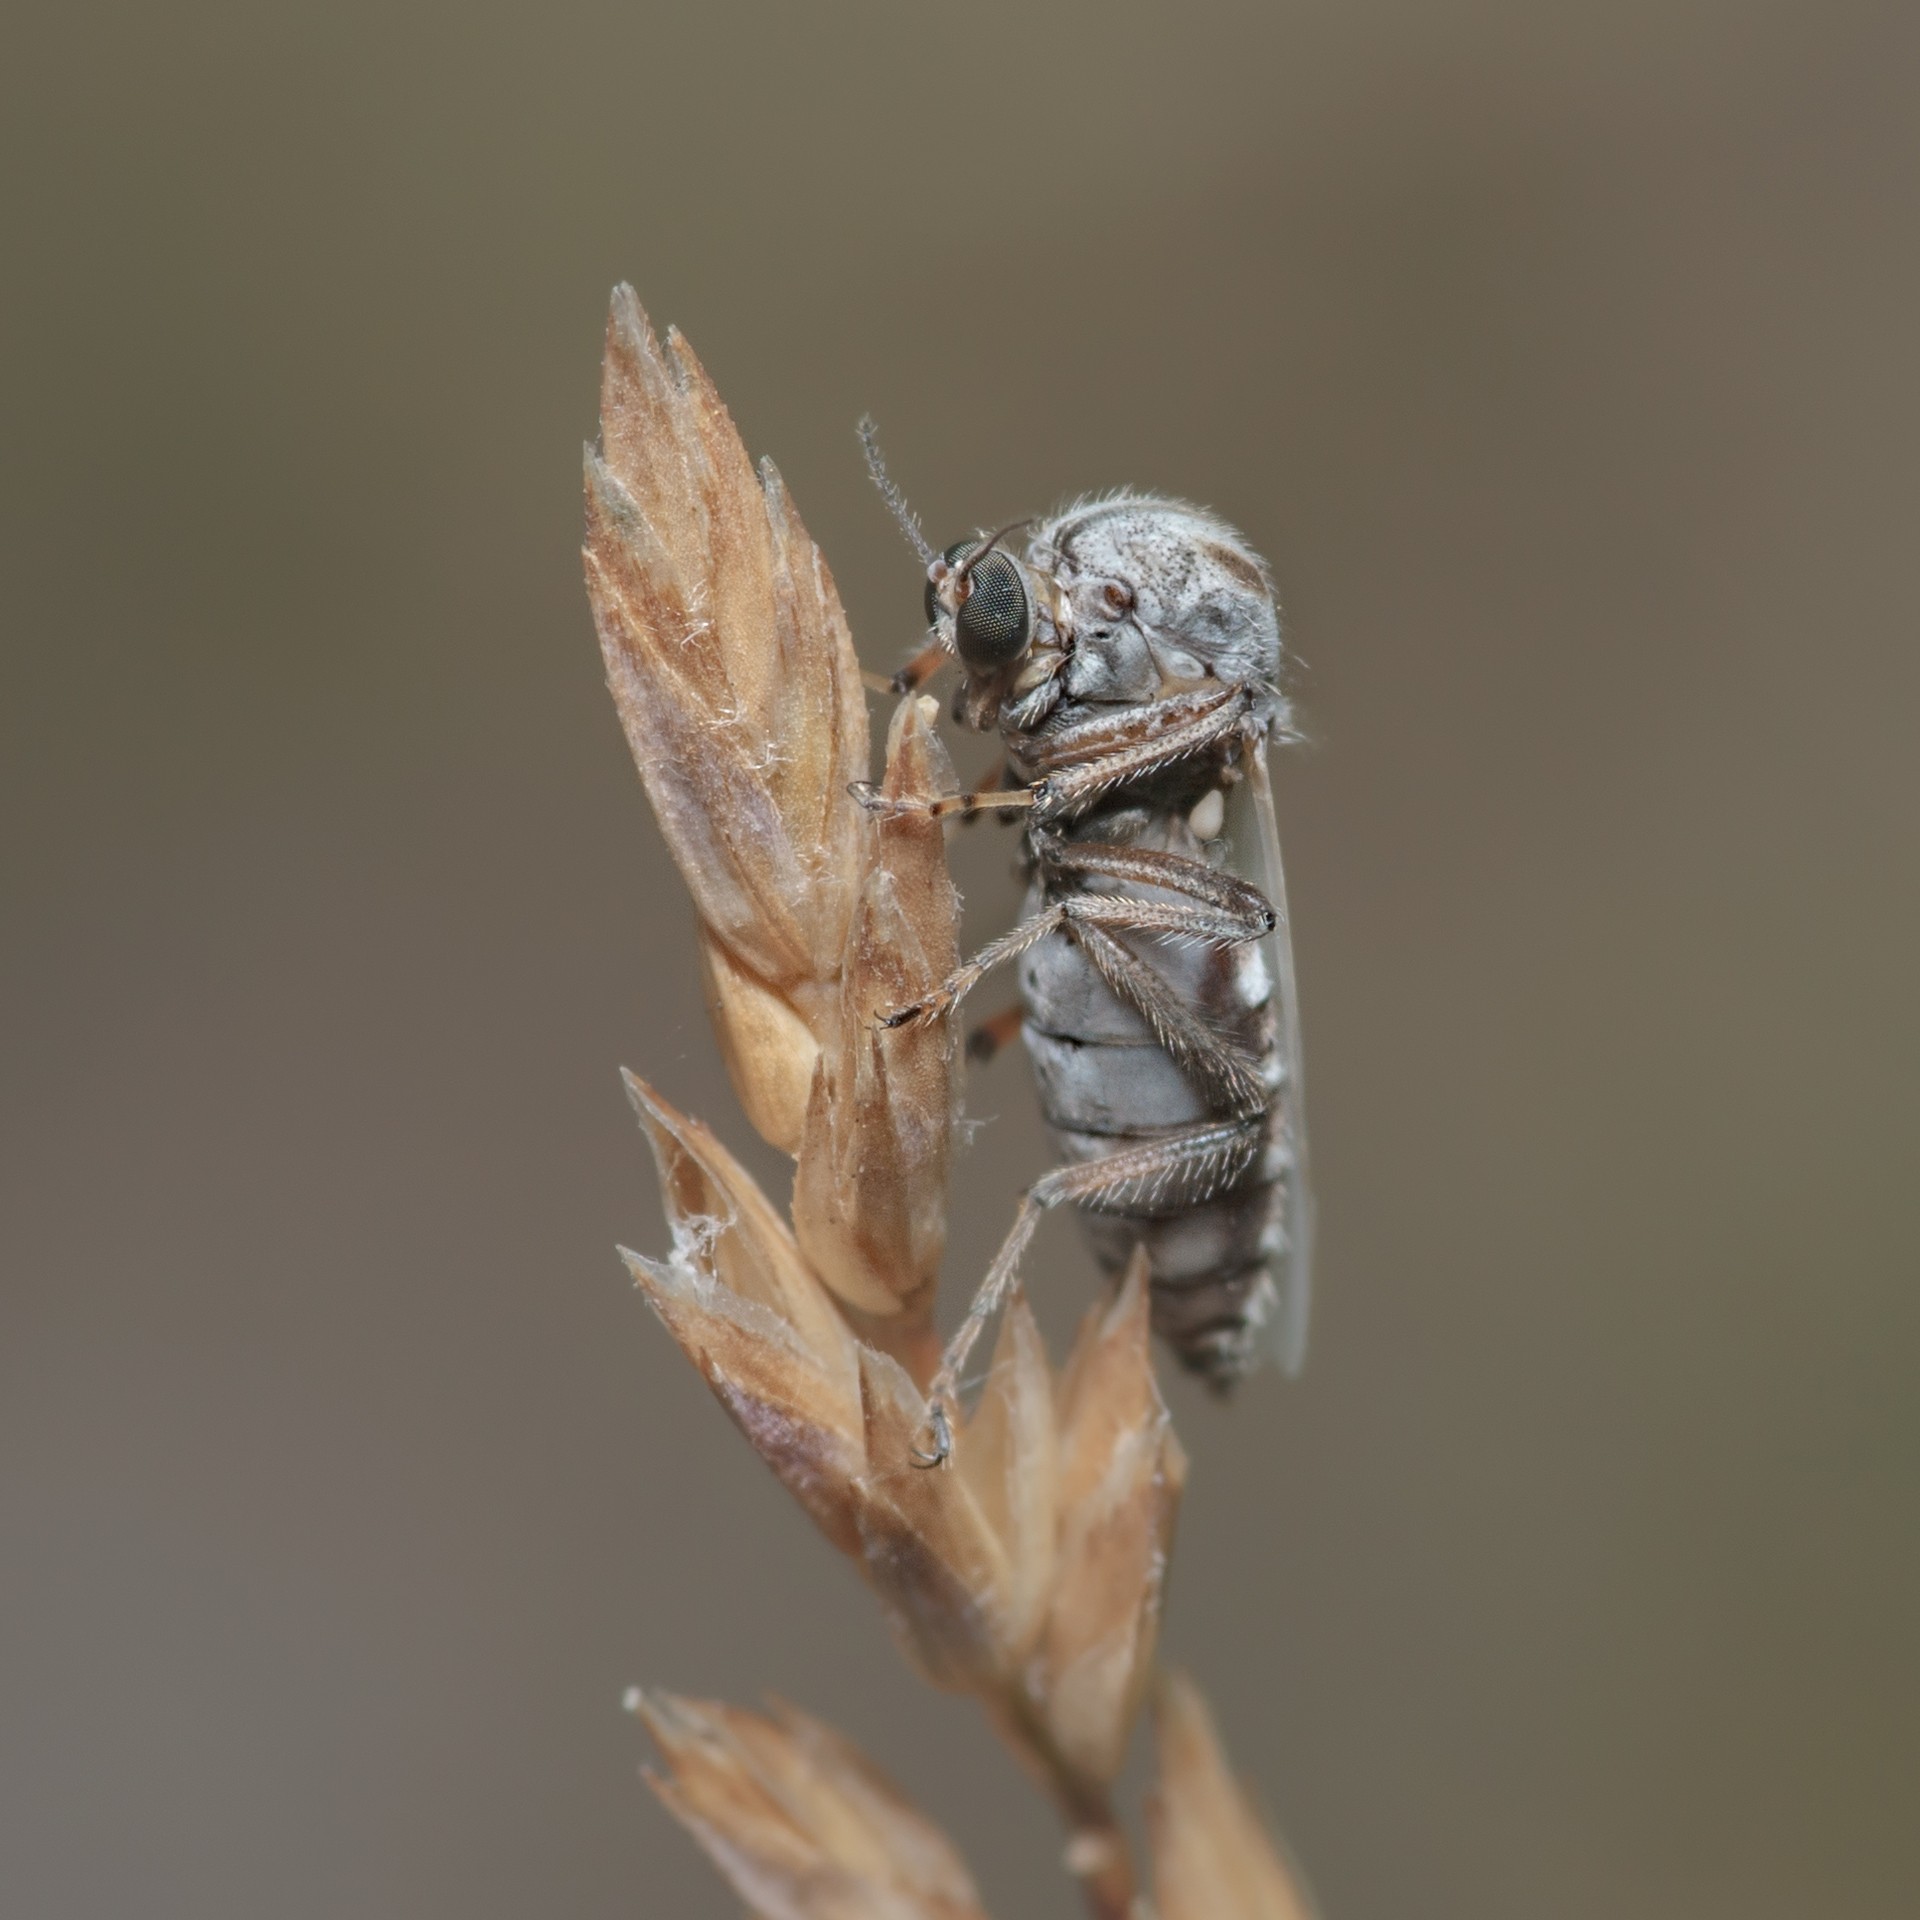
(995, 623)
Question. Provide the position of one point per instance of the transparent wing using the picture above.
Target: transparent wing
(1292, 1266)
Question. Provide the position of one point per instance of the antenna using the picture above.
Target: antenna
(904, 515)
(993, 540)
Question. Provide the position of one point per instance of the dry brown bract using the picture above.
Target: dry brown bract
(735, 678)
(1030, 1570)
(798, 1821)
(1212, 1859)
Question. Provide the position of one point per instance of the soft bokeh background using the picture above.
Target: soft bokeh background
(1562, 359)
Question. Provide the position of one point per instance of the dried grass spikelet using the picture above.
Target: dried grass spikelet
(1212, 1858)
(962, 1557)
(1122, 1471)
(799, 1822)
(870, 1190)
(735, 678)
(736, 682)
(748, 1312)
(1030, 1570)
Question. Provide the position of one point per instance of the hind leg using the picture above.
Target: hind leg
(1184, 1167)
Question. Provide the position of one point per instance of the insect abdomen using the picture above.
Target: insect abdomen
(1106, 1083)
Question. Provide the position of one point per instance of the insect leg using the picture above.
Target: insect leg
(1105, 731)
(944, 806)
(957, 985)
(921, 668)
(1171, 872)
(1110, 752)
(1210, 924)
(1202, 1157)
(1225, 1069)
(992, 1034)
(1090, 758)
(992, 781)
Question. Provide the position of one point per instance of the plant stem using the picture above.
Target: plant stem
(1101, 1860)
(1098, 1853)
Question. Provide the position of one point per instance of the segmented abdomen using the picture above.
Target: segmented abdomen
(1107, 1083)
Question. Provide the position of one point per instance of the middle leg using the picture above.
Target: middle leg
(1217, 908)
(1210, 925)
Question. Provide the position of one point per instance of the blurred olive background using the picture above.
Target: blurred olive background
(1562, 359)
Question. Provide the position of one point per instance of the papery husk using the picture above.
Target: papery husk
(1212, 1858)
(736, 682)
(734, 675)
(1008, 1456)
(870, 1189)
(746, 1309)
(800, 1823)
(769, 1049)
(927, 1544)
(1120, 1476)
(961, 1557)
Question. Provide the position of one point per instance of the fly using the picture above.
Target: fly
(1129, 658)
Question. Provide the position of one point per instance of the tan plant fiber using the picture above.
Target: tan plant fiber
(1030, 1570)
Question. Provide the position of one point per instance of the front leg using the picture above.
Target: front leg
(944, 806)
(1092, 757)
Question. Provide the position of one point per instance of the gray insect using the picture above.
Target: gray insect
(1129, 658)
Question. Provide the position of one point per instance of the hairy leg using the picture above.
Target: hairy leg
(1171, 872)
(920, 669)
(1226, 1070)
(945, 806)
(1089, 758)
(1117, 911)
(1175, 1024)
(1201, 1158)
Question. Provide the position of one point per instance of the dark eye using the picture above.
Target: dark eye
(995, 623)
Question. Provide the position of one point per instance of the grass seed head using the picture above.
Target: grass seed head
(749, 1313)
(735, 678)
